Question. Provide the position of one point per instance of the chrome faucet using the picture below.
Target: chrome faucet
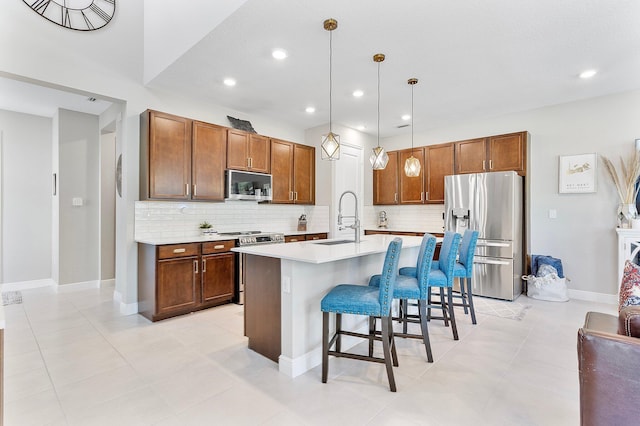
(356, 224)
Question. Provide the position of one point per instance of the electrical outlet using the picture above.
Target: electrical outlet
(286, 285)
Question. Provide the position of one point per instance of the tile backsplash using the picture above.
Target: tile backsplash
(425, 218)
(166, 219)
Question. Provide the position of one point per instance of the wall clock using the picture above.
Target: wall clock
(80, 15)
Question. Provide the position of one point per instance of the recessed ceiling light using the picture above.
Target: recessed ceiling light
(358, 93)
(229, 82)
(406, 117)
(588, 73)
(310, 109)
(279, 54)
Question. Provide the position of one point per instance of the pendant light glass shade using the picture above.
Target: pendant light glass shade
(412, 167)
(330, 142)
(379, 157)
(412, 164)
(330, 146)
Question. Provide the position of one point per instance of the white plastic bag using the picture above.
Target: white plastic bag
(549, 287)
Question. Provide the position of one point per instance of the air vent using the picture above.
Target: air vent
(403, 125)
(92, 99)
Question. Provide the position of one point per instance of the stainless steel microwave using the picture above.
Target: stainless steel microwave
(241, 185)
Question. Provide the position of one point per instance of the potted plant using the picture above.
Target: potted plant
(206, 228)
(625, 181)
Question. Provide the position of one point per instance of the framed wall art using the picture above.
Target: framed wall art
(577, 173)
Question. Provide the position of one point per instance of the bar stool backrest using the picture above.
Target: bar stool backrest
(448, 254)
(425, 259)
(388, 278)
(468, 249)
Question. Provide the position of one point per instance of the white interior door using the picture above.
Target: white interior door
(347, 176)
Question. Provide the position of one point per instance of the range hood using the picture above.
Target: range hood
(241, 185)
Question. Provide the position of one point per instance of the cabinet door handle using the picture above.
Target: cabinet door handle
(195, 265)
(490, 164)
(186, 186)
(195, 194)
(295, 195)
(218, 246)
(290, 195)
(395, 197)
(422, 196)
(180, 250)
(483, 166)
(204, 266)
(426, 196)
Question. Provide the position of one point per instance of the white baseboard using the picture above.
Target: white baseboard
(591, 296)
(294, 367)
(108, 283)
(125, 308)
(61, 288)
(26, 285)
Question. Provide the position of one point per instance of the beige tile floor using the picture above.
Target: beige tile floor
(72, 359)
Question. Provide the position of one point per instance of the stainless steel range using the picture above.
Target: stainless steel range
(250, 238)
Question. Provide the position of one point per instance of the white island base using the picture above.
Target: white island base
(288, 281)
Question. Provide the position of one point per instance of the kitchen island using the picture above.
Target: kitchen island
(284, 284)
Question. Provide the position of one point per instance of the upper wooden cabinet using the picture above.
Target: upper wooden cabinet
(471, 156)
(293, 171)
(180, 158)
(165, 157)
(385, 182)
(209, 155)
(508, 152)
(439, 162)
(248, 151)
(492, 154)
(436, 162)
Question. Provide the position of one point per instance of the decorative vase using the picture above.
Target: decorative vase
(626, 213)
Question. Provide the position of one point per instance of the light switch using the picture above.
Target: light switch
(77, 201)
(553, 213)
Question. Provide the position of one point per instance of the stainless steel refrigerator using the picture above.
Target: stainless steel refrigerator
(492, 204)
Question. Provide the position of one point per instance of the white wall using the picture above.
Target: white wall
(26, 197)
(79, 147)
(583, 235)
(109, 64)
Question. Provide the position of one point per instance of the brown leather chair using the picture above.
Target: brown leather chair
(609, 368)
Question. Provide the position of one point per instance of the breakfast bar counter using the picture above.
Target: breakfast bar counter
(284, 284)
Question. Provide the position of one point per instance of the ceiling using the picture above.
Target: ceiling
(473, 59)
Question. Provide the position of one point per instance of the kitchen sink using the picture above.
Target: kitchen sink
(334, 242)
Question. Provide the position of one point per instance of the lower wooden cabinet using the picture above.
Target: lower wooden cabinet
(176, 287)
(218, 278)
(180, 278)
(307, 237)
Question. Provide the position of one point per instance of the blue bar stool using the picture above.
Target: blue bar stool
(441, 276)
(363, 300)
(413, 288)
(463, 269)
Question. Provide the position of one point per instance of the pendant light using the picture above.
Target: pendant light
(379, 157)
(412, 164)
(331, 141)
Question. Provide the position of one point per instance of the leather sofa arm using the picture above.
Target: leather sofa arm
(629, 321)
(609, 381)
